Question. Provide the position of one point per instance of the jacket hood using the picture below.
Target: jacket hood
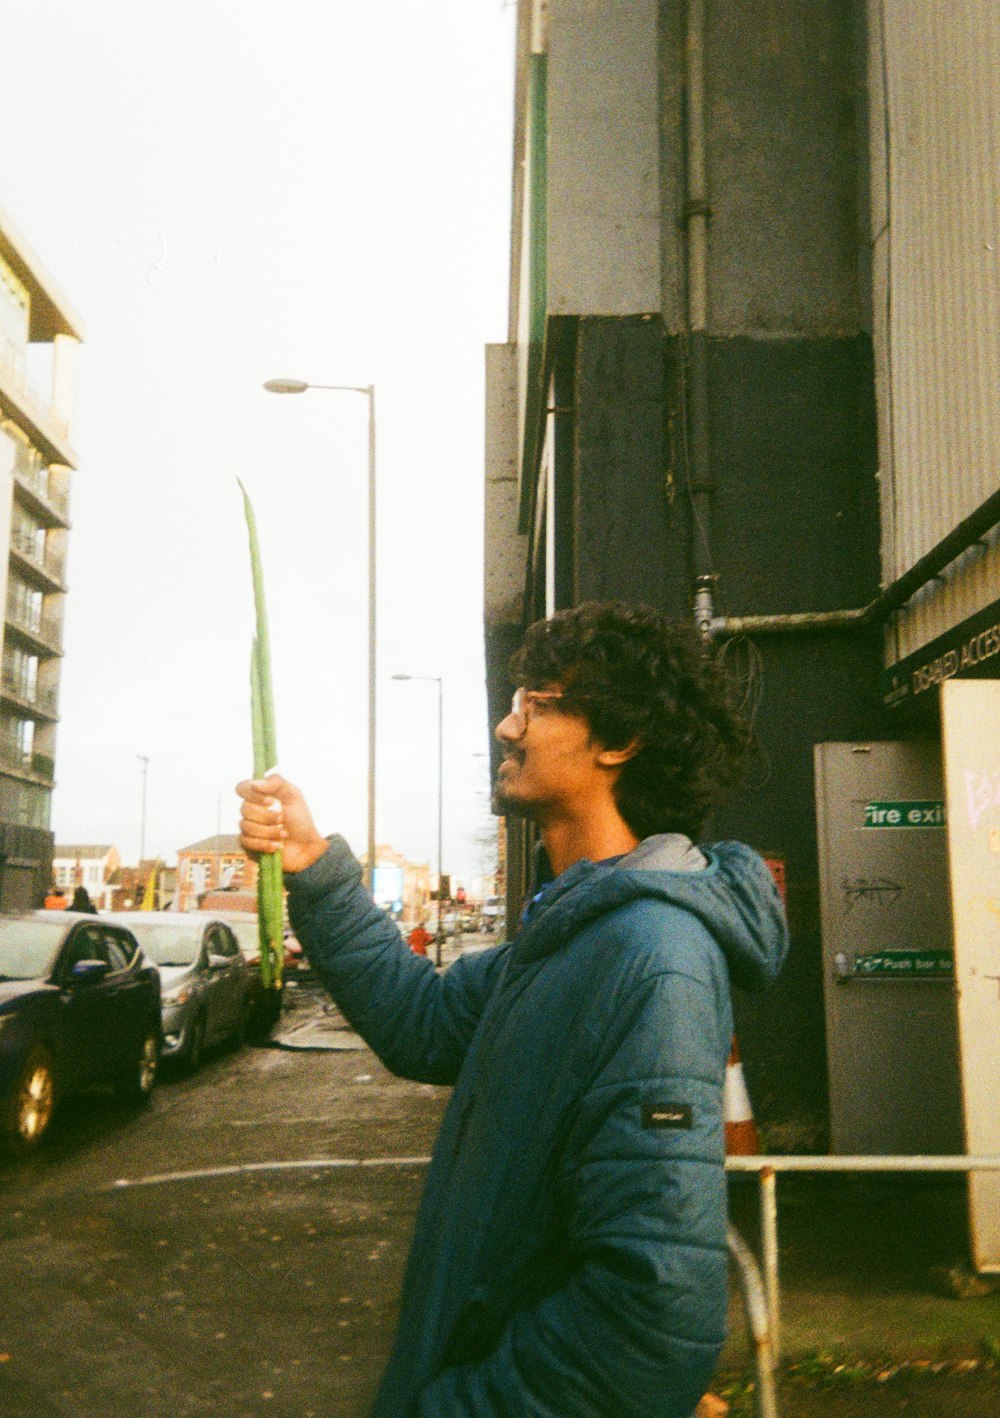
(726, 885)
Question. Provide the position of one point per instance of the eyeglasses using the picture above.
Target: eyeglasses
(520, 705)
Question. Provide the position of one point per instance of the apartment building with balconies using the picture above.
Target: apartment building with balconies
(39, 336)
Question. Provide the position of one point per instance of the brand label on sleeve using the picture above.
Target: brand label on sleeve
(666, 1115)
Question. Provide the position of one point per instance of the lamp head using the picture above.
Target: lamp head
(286, 386)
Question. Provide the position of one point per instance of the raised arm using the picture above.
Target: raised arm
(419, 1023)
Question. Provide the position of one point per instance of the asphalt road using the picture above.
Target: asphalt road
(182, 1260)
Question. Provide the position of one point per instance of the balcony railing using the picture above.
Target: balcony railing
(44, 700)
(22, 760)
(46, 629)
(33, 473)
(43, 766)
(47, 561)
(31, 621)
(12, 368)
(11, 756)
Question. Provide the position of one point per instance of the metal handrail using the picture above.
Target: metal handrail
(758, 1322)
(768, 1168)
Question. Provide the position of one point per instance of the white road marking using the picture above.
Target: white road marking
(239, 1168)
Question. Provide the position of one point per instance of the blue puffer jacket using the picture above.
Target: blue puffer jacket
(569, 1257)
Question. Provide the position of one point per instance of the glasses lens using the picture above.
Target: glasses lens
(517, 708)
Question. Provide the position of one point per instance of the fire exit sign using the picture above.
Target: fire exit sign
(919, 813)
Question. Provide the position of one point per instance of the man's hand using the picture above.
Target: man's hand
(275, 818)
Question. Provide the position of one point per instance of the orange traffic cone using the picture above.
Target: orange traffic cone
(741, 1130)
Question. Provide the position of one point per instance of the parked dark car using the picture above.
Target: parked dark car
(79, 1006)
(205, 984)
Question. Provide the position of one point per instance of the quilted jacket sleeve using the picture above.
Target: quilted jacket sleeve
(419, 1023)
(637, 1323)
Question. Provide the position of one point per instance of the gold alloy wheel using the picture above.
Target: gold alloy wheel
(35, 1100)
(148, 1063)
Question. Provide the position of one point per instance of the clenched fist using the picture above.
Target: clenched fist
(275, 818)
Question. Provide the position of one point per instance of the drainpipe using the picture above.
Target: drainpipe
(696, 214)
(970, 530)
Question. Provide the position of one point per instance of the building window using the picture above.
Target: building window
(27, 536)
(20, 672)
(27, 605)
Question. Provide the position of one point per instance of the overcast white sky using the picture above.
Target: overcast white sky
(228, 191)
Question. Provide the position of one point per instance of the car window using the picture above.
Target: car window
(31, 948)
(248, 936)
(169, 943)
(84, 944)
(120, 950)
(222, 942)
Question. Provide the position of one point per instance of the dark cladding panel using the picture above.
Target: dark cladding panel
(627, 544)
(794, 458)
(807, 688)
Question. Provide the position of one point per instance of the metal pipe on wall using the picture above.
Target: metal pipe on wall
(696, 214)
(969, 531)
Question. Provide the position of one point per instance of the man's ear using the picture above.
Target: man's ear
(615, 757)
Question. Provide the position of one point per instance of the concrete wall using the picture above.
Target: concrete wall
(783, 150)
(603, 153)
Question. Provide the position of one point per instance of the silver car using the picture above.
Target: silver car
(205, 982)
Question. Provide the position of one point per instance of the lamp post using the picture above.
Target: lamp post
(300, 386)
(144, 760)
(436, 679)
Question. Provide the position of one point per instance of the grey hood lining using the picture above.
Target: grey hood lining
(665, 851)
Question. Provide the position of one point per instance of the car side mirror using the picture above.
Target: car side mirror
(89, 972)
(218, 962)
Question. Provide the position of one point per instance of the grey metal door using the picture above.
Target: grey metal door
(888, 971)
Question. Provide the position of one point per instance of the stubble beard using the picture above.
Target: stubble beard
(503, 805)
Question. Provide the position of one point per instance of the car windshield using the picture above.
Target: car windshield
(28, 949)
(168, 944)
(248, 935)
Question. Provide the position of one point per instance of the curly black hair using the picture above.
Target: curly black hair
(638, 677)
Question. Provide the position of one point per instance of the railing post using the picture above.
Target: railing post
(758, 1323)
(769, 1243)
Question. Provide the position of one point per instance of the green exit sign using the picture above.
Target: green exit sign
(917, 813)
(905, 965)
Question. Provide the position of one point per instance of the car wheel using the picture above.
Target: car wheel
(195, 1048)
(33, 1101)
(136, 1083)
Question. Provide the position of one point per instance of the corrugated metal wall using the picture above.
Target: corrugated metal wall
(935, 90)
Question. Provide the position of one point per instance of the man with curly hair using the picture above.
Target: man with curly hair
(569, 1257)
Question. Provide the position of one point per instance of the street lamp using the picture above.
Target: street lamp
(300, 386)
(436, 679)
(144, 760)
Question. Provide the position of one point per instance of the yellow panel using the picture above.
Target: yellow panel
(971, 745)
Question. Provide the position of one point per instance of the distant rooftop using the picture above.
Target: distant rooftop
(51, 312)
(87, 852)
(226, 844)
